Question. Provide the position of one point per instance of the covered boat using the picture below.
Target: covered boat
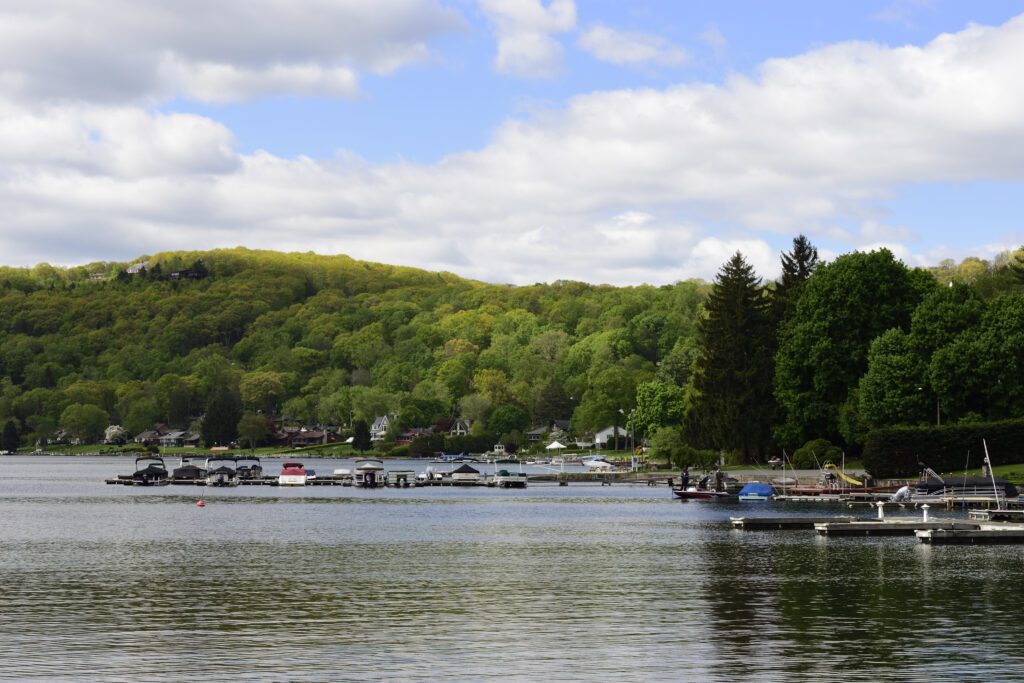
(934, 488)
(369, 473)
(150, 471)
(757, 491)
(221, 472)
(188, 471)
(292, 474)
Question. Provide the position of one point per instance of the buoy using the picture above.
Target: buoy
(201, 503)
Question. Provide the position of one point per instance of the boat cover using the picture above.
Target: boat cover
(756, 489)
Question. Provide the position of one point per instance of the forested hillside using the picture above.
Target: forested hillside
(325, 339)
(831, 351)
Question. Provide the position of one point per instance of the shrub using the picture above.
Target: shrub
(896, 452)
(815, 453)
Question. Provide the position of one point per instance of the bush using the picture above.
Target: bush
(895, 452)
(813, 454)
(399, 452)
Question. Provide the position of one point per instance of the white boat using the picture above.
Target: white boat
(292, 474)
(510, 480)
(370, 473)
(598, 464)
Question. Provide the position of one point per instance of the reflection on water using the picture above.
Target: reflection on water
(583, 582)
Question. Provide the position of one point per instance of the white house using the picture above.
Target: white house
(380, 427)
(607, 435)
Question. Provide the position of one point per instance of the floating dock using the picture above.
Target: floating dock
(892, 526)
(980, 535)
(784, 523)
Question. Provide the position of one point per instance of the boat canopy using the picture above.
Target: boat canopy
(757, 489)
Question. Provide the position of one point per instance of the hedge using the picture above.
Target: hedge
(896, 452)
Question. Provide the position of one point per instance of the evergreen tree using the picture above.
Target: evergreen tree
(797, 267)
(223, 412)
(732, 405)
(11, 439)
(361, 436)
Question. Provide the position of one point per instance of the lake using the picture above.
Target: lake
(584, 582)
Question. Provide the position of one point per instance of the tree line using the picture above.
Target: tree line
(830, 350)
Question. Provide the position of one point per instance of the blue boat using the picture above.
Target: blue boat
(757, 491)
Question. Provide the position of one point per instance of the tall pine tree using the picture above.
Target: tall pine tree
(797, 267)
(732, 400)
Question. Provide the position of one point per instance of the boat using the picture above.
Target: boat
(248, 467)
(150, 471)
(756, 491)
(598, 464)
(369, 474)
(292, 474)
(959, 488)
(220, 471)
(510, 480)
(188, 470)
(694, 493)
(715, 486)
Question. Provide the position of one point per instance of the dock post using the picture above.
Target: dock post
(924, 508)
(881, 509)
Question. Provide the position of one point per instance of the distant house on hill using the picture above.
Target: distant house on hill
(380, 427)
(460, 428)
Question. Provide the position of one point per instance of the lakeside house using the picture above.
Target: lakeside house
(380, 427)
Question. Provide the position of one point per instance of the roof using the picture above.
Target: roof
(465, 469)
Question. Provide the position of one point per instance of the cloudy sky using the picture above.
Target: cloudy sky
(512, 141)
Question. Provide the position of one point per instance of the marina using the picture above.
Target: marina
(429, 570)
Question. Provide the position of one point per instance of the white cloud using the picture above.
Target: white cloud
(115, 51)
(524, 29)
(624, 186)
(630, 47)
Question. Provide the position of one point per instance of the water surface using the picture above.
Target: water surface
(581, 582)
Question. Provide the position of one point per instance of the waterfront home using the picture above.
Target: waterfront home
(380, 427)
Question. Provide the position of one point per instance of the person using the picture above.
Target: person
(685, 478)
(718, 480)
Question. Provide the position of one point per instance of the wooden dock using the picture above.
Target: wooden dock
(783, 523)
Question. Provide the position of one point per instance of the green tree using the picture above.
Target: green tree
(253, 428)
(732, 405)
(84, 421)
(361, 440)
(11, 439)
(797, 266)
(824, 344)
(261, 390)
(508, 418)
(220, 422)
(658, 404)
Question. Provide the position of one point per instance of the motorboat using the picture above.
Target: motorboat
(756, 491)
(220, 471)
(150, 471)
(188, 471)
(510, 480)
(292, 474)
(248, 467)
(598, 464)
(369, 473)
(715, 486)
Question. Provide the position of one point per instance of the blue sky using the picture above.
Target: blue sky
(511, 140)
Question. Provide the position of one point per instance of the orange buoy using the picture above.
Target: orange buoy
(201, 503)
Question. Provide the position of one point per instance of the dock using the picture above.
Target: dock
(890, 526)
(983, 534)
(783, 523)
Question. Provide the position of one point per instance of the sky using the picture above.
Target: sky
(512, 141)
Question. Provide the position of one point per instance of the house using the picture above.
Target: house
(310, 437)
(406, 437)
(136, 268)
(152, 435)
(606, 435)
(178, 439)
(460, 428)
(535, 435)
(380, 427)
